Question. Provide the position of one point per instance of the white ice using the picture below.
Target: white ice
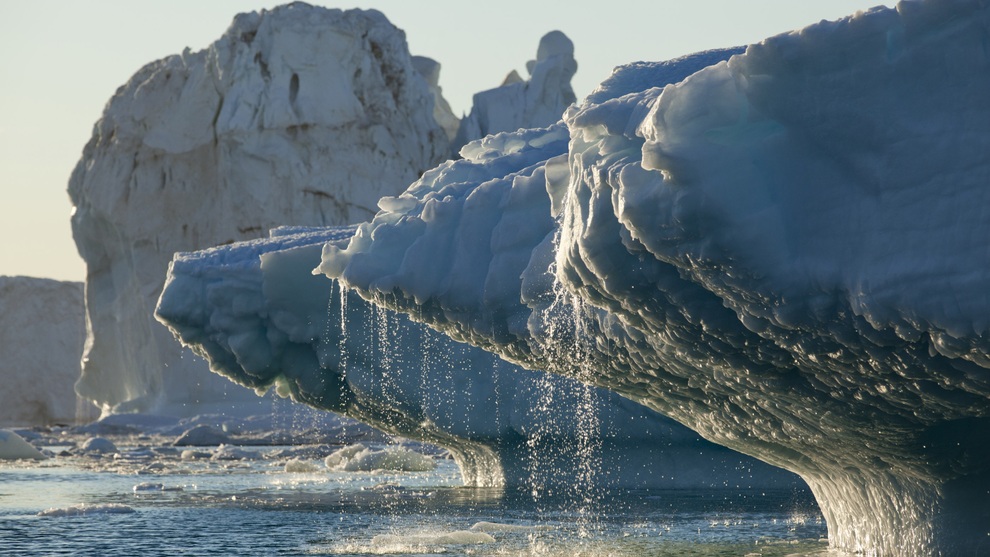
(256, 311)
(785, 251)
(13, 447)
(358, 458)
(296, 115)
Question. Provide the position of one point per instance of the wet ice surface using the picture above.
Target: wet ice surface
(151, 498)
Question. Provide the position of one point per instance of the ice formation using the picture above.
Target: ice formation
(358, 458)
(13, 447)
(517, 103)
(786, 252)
(257, 312)
(41, 339)
(298, 115)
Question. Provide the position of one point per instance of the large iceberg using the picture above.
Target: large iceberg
(786, 252)
(41, 340)
(298, 115)
(255, 310)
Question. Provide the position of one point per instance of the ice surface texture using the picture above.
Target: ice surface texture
(298, 115)
(41, 340)
(261, 317)
(786, 252)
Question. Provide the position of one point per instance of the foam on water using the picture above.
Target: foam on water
(86, 509)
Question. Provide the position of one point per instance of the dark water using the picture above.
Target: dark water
(164, 506)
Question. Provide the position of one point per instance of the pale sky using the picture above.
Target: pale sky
(63, 59)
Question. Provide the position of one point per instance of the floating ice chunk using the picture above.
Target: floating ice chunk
(190, 454)
(100, 445)
(341, 456)
(458, 537)
(358, 458)
(297, 466)
(86, 509)
(13, 447)
(200, 436)
(228, 452)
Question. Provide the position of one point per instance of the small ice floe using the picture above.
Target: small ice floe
(297, 466)
(201, 436)
(98, 445)
(358, 458)
(190, 454)
(86, 509)
(228, 452)
(135, 455)
(457, 537)
(13, 447)
(152, 486)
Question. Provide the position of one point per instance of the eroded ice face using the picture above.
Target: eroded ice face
(260, 316)
(785, 251)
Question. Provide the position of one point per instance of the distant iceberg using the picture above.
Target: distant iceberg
(786, 252)
(297, 115)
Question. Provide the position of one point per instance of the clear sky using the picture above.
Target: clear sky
(63, 59)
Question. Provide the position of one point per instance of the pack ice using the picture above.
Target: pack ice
(786, 252)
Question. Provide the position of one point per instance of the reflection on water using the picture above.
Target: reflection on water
(252, 506)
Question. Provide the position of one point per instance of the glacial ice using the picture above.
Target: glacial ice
(358, 458)
(41, 335)
(785, 251)
(297, 115)
(518, 103)
(13, 447)
(259, 315)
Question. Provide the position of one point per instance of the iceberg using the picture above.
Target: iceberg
(296, 115)
(41, 339)
(265, 321)
(518, 103)
(785, 252)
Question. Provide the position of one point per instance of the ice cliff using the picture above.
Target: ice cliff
(518, 103)
(298, 115)
(262, 319)
(41, 332)
(785, 252)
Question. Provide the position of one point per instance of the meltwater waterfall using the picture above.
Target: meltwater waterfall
(262, 319)
(787, 252)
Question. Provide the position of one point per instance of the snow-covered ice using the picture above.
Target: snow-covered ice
(785, 251)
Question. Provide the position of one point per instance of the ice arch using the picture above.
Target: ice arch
(262, 319)
(787, 252)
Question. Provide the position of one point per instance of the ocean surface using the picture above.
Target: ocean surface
(147, 498)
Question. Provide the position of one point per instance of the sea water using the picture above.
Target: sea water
(149, 498)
